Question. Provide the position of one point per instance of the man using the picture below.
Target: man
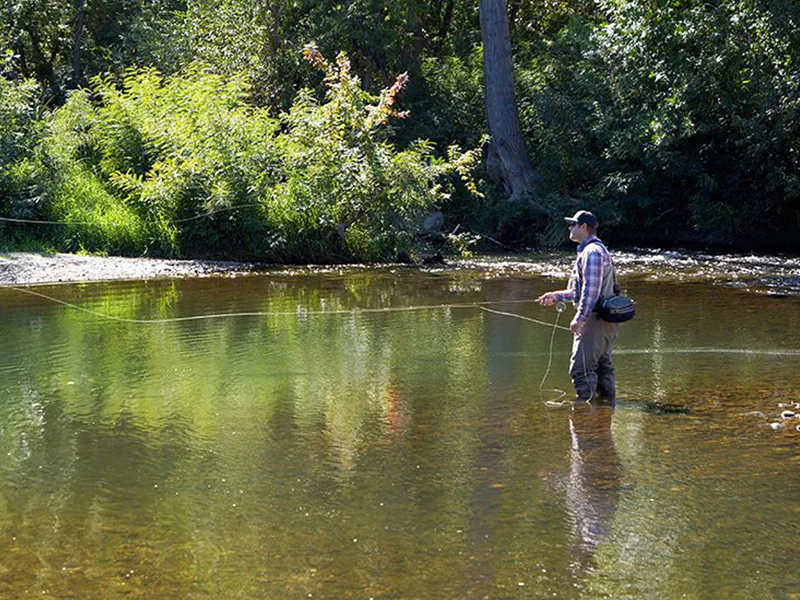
(592, 276)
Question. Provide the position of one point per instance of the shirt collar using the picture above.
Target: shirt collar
(587, 241)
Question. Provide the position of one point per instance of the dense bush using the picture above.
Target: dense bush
(22, 126)
(673, 118)
(186, 166)
(342, 175)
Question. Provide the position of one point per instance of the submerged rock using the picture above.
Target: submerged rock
(654, 407)
(754, 413)
(664, 408)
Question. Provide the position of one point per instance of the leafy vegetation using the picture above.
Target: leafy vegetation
(678, 119)
(674, 120)
(185, 166)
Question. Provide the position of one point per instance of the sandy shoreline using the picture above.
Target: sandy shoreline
(25, 268)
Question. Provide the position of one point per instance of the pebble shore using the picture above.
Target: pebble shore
(26, 268)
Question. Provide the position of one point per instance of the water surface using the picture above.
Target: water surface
(392, 454)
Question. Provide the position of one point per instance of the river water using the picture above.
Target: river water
(352, 437)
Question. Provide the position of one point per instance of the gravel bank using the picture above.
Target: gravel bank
(22, 268)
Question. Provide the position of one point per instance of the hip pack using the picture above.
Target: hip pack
(615, 309)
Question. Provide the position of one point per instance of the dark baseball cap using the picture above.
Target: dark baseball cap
(581, 217)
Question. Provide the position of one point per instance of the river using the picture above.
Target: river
(373, 433)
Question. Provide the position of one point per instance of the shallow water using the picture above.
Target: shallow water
(396, 454)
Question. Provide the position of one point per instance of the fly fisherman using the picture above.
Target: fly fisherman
(592, 277)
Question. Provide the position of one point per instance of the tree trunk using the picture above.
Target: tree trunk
(507, 161)
(274, 28)
(77, 74)
(444, 26)
(43, 66)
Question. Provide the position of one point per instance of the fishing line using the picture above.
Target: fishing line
(296, 313)
(508, 314)
(481, 305)
(557, 401)
(704, 350)
(560, 307)
(696, 350)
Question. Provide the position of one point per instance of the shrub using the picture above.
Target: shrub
(672, 117)
(21, 128)
(185, 165)
(347, 192)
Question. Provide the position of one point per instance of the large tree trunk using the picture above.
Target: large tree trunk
(508, 160)
(444, 26)
(77, 71)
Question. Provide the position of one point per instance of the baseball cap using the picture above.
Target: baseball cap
(583, 216)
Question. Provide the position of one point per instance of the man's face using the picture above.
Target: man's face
(577, 232)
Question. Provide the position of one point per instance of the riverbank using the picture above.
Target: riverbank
(771, 274)
(26, 268)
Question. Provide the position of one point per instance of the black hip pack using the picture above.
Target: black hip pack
(615, 309)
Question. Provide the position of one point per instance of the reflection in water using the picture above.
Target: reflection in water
(593, 487)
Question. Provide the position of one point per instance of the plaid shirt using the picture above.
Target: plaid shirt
(583, 289)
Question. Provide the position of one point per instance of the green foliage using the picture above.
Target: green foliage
(167, 152)
(451, 109)
(101, 221)
(185, 165)
(21, 128)
(346, 188)
(670, 118)
(673, 116)
(61, 43)
(262, 41)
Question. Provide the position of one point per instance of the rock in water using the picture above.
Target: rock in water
(664, 408)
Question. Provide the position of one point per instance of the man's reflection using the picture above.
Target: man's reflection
(593, 486)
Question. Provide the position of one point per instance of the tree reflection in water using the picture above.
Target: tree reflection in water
(593, 486)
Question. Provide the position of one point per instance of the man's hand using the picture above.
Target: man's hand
(576, 327)
(547, 299)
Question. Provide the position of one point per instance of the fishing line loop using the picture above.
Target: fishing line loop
(560, 307)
